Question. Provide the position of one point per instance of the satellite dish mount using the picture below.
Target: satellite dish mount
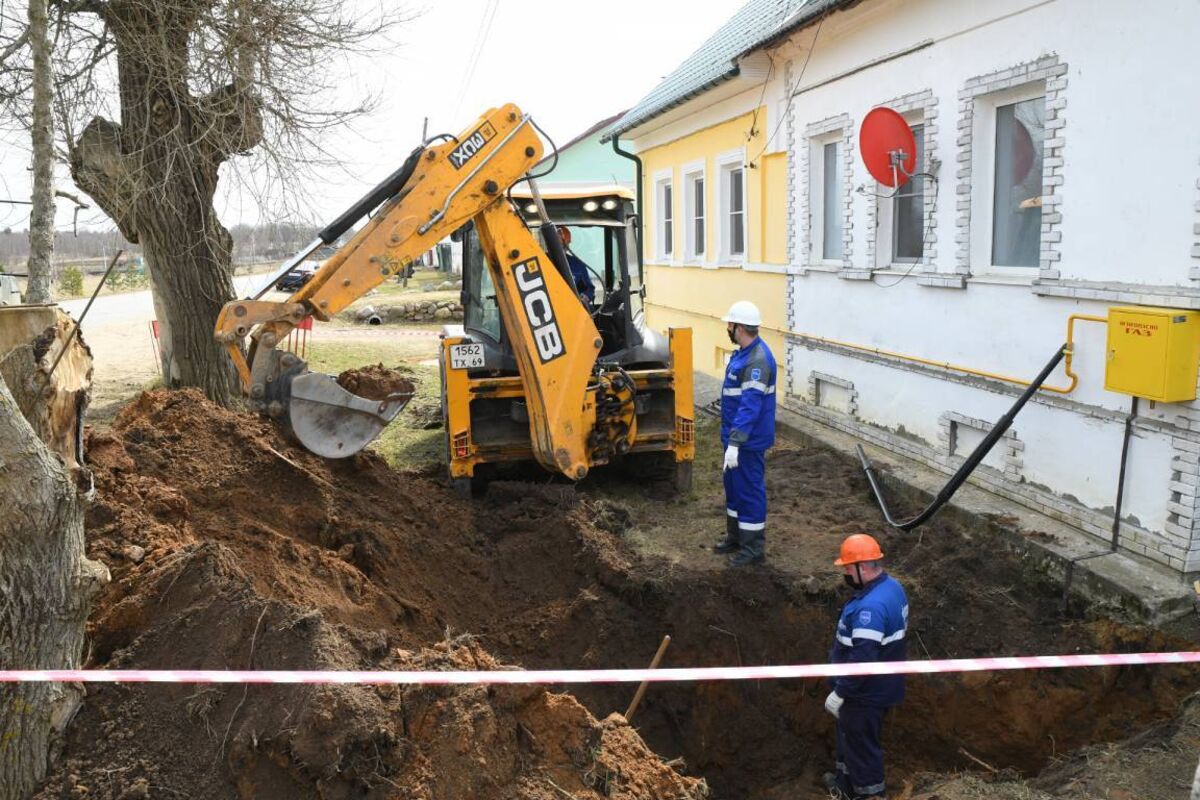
(888, 148)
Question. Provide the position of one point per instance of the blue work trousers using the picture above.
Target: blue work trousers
(860, 750)
(746, 493)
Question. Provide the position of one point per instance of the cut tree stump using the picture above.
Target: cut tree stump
(46, 582)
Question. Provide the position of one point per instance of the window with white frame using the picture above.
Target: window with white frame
(1008, 137)
(664, 191)
(908, 210)
(1017, 183)
(900, 213)
(695, 209)
(733, 208)
(825, 201)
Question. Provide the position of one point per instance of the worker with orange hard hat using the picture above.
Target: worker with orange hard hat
(872, 627)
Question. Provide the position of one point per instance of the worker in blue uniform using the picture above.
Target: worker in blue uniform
(747, 431)
(872, 627)
(579, 268)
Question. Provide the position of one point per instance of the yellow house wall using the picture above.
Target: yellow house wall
(679, 297)
(695, 295)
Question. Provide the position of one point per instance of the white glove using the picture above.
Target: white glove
(731, 456)
(833, 704)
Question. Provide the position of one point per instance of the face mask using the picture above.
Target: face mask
(729, 332)
(852, 582)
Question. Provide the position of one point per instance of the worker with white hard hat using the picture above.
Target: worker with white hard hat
(747, 431)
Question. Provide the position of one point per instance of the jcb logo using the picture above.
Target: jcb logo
(467, 149)
(538, 311)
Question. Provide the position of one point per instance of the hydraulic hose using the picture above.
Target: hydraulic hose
(977, 455)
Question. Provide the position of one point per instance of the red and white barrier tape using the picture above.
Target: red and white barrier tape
(594, 675)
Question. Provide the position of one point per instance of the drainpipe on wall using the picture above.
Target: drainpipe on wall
(641, 217)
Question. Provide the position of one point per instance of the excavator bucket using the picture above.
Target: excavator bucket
(333, 422)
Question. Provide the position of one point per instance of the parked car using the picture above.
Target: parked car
(297, 277)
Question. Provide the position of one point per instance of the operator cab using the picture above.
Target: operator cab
(602, 222)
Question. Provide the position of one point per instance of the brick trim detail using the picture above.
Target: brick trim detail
(925, 102)
(815, 379)
(1194, 272)
(1011, 447)
(790, 122)
(1053, 72)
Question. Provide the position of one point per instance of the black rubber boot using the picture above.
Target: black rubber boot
(753, 549)
(729, 543)
(830, 779)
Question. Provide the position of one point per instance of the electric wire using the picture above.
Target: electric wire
(481, 36)
(925, 239)
(785, 8)
(792, 90)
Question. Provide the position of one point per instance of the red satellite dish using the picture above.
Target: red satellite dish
(1023, 152)
(883, 137)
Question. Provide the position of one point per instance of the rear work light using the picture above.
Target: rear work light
(685, 430)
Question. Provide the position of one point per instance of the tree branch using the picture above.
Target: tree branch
(99, 168)
(230, 121)
(15, 46)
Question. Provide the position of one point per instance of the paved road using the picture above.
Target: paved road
(117, 330)
(133, 308)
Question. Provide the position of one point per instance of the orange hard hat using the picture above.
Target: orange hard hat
(859, 547)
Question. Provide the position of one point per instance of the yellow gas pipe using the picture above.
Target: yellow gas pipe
(1070, 351)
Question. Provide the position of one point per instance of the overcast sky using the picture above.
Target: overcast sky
(569, 63)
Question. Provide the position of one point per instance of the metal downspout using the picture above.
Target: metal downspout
(641, 216)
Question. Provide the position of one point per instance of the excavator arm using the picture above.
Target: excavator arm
(438, 189)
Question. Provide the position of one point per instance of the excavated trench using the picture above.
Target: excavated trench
(748, 739)
(230, 549)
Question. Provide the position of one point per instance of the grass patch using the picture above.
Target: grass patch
(407, 443)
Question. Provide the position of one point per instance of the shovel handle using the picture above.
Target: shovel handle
(641, 690)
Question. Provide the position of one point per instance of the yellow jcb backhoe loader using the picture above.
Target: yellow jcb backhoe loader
(531, 376)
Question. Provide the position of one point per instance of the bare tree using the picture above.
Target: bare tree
(196, 83)
(41, 218)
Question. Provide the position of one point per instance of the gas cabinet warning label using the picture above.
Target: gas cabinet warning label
(1138, 328)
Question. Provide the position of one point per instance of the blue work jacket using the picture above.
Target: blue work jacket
(582, 276)
(748, 398)
(872, 627)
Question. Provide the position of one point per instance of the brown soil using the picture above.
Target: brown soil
(225, 555)
(376, 382)
(1156, 764)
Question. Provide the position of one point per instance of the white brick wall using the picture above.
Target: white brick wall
(1054, 74)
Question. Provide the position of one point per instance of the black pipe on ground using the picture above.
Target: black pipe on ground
(977, 455)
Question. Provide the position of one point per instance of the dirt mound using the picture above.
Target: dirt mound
(376, 382)
(232, 549)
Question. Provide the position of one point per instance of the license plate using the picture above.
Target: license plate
(466, 356)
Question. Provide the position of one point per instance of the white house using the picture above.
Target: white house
(1062, 144)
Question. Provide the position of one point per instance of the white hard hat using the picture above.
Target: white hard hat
(743, 312)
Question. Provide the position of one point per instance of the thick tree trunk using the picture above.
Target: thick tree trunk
(156, 174)
(190, 285)
(41, 220)
(46, 583)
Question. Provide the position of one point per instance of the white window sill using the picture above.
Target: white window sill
(778, 269)
(1006, 276)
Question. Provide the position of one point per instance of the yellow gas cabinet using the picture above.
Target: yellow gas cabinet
(1153, 353)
